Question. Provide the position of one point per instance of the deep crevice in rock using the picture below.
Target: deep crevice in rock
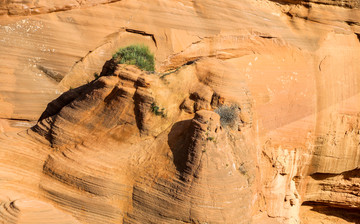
(142, 33)
(358, 36)
(348, 214)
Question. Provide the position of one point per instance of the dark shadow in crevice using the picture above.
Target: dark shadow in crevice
(179, 141)
(351, 23)
(55, 106)
(137, 112)
(358, 36)
(323, 176)
(304, 3)
(349, 214)
(143, 33)
(355, 173)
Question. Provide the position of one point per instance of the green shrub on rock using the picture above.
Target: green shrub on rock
(229, 115)
(138, 55)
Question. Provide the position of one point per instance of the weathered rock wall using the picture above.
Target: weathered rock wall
(99, 154)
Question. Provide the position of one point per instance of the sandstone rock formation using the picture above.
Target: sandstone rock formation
(98, 152)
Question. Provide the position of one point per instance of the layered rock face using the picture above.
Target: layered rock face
(118, 161)
(345, 3)
(139, 147)
(31, 7)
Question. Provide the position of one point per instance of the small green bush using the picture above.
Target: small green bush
(228, 115)
(96, 75)
(157, 111)
(138, 55)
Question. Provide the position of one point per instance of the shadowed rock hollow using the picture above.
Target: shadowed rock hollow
(139, 147)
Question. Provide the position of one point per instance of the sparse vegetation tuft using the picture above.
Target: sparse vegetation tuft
(157, 111)
(242, 169)
(96, 75)
(228, 115)
(138, 55)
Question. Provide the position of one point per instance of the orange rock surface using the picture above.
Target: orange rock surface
(78, 150)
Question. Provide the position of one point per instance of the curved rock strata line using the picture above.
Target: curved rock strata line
(345, 4)
(15, 8)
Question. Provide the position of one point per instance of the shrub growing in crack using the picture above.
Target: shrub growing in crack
(138, 55)
(229, 115)
(242, 169)
(157, 111)
(96, 75)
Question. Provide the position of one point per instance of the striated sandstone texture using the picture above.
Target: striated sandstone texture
(78, 150)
